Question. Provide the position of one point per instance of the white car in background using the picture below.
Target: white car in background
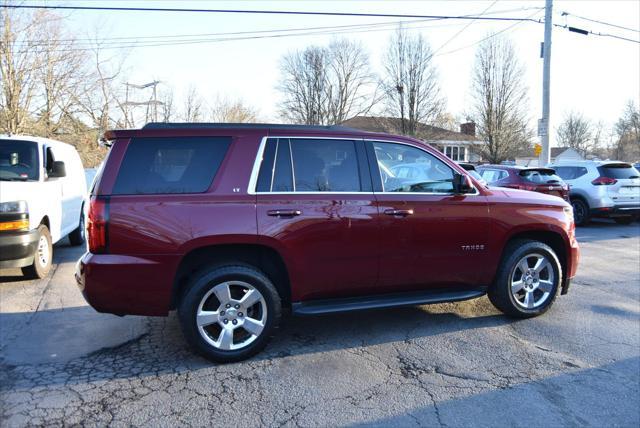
(43, 198)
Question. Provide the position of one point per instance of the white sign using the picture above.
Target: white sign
(542, 128)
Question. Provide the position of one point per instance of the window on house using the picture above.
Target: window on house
(456, 153)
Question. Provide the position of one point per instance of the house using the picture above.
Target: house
(461, 146)
(558, 154)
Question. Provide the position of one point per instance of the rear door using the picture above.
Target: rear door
(315, 204)
(626, 189)
(429, 236)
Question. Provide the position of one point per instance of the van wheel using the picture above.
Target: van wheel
(43, 255)
(77, 237)
(528, 279)
(580, 212)
(229, 313)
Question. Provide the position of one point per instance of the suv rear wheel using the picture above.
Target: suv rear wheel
(229, 313)
(77, 237)
(528, 279)
(580, 212)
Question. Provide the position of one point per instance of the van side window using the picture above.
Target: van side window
(170, 165)
(48, 159)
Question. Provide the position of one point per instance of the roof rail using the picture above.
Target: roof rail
(214, 125)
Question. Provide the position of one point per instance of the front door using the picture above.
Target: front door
(316, 206)
(430, 237)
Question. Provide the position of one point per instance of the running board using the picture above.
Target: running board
(329, 306)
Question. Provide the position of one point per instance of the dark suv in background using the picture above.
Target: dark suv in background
(543, 180)
(229, 224)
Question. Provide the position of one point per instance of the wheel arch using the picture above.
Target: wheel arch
(263, 257)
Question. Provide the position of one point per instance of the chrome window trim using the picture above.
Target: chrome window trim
(259, 158)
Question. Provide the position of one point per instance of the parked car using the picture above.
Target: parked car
(231, 224)
(42, 197)
(472, 171)
(543, 180)
(602, 189)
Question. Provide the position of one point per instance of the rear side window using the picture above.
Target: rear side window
(570, 172)
(618, 171)
(540, 176)
(309, 165)
(493, 175)
(170, 165)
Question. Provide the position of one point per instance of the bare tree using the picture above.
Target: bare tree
(168, 113)
(192, 108)
(411, 81)
(232, 111)
(627, 133)
(20, 60)
(500, 100)
(577, 132)
(326, 85)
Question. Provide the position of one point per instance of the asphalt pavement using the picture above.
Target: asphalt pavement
(461, 364)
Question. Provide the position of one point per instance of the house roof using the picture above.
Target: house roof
(393, 125)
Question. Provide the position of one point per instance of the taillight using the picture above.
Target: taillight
(97, 224)
(604, 181)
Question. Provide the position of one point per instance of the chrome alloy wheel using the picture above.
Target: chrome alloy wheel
(43, 253)
(532, 281)
(231, 315)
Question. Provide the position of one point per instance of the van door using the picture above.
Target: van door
(315, 205)
(53, 189)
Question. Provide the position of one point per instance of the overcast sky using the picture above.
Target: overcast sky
(591, 74)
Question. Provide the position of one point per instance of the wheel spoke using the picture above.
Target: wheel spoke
(529, 299)
(541, 264)
(516, 286)
(222, 292)
(545, 285)
(523, 265)
(205, 318)
(225, 339)
(253, 326)
(251, 298)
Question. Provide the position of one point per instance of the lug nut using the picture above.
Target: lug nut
(227, 306)
(225, 321)
(221, 312)
(235, 322)
(237, 306)
(240, 314)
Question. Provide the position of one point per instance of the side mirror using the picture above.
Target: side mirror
(461, 184)
(58, 170)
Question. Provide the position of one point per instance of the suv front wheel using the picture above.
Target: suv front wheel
(229, 313)
(528, 279)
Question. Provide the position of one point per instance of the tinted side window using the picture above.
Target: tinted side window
(325, 165)
(493, 175)
(408, 169)
(170, 165)
(266, 167)
(275, 171)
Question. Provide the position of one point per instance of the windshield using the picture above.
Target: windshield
(540, 176)
(618, 171)
(18, 160)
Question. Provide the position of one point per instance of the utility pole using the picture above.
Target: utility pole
(543, 124)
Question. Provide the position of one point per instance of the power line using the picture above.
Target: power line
(601, 22)
(264, 12)
(586, 32)
(464, 28)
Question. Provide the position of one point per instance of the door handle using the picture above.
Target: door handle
(284, 213)
(400, 213)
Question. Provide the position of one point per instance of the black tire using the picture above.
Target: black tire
(623, 220)
(77, 237)
(500, 291)
(39, 268)
(203, 283)
(581, 214)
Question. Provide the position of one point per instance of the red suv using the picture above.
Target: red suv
(230, 224)
(543, 180)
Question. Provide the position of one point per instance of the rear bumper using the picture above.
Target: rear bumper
(126, 285)
(17, 249)
(616, 211)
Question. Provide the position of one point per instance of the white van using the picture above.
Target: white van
(43, 197)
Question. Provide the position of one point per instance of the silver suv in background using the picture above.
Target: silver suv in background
(602, 189)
